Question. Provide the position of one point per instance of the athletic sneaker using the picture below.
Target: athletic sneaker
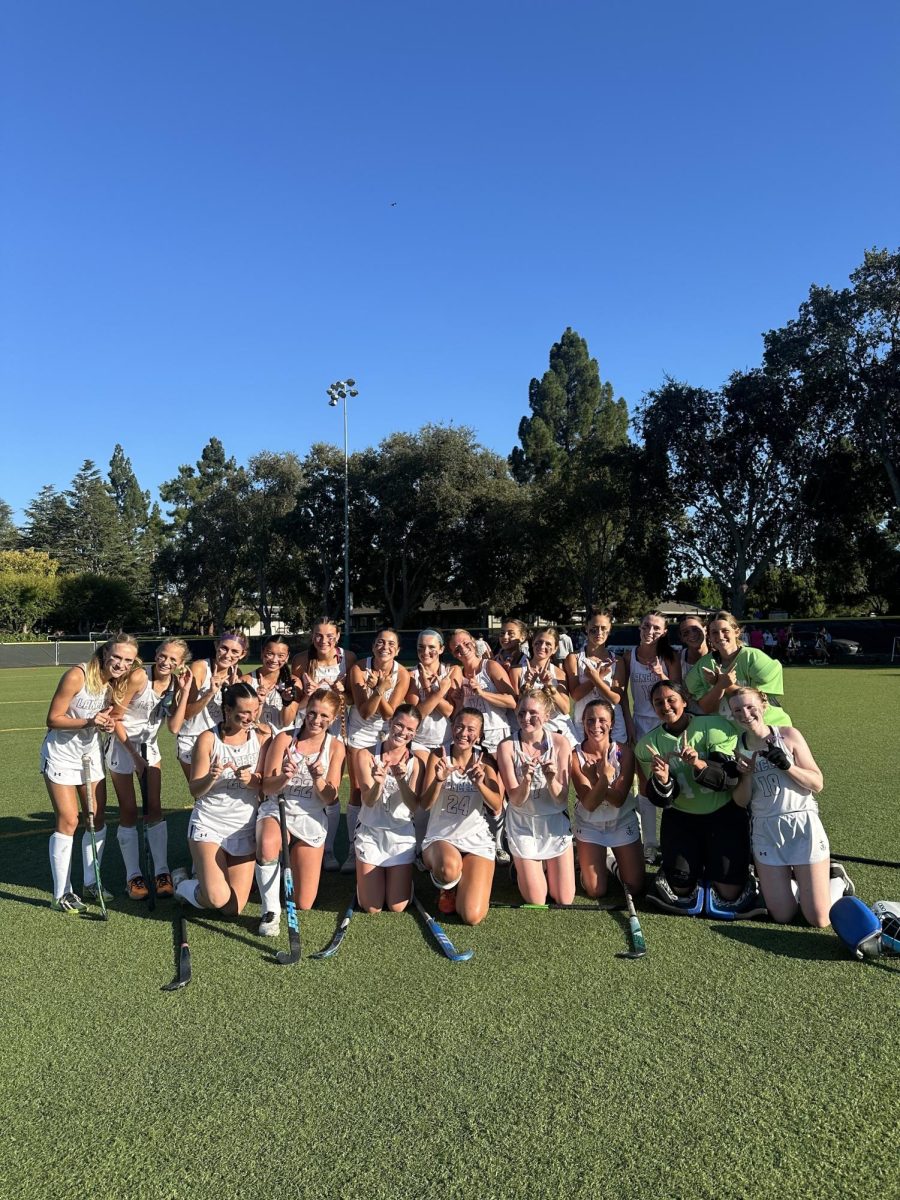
(137, 888)
(348, 867)
(90, 889)
(165, 885)
(748, 904)
(502, 855)
(330, 863)
(838, 872)
(652, 855)
(270, 924)
(447, 901)
(179, 875)
(660, 893)
(69, 903)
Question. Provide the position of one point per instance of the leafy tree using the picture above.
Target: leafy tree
(314, 528)
(842, 355)
(205, 556)
(97, 542)
(50, 526)
(272, 559)
(28, 588)
(569, 406)
(91, 602)
(9, 534)
(699, 590)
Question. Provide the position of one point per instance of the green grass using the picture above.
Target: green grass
(734, 1061)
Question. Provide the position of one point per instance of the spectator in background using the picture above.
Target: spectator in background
(563, 649)
(755, 638)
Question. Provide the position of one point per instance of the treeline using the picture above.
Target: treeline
(778, 491)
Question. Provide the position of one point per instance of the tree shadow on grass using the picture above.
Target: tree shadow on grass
(786, 942)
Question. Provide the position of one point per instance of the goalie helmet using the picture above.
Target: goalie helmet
(888, 913)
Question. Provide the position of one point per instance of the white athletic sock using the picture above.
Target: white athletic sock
(187, 890)
(420, 821)
(268, 880)
(158, 841)
(61, 863)
(648, 812)
(333, 817)
(612, 865)
(795, 889)
(128, 844)
(352, 822)
(836, 888)
(87, 863)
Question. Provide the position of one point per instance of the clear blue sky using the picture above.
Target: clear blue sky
(212, 210)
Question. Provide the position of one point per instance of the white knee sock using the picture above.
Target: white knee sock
(333, 817)
(268, 880)
(87, 863)
(61, 863)
(648, 821)
(836, 888)
(187, 890)
(352, 822)
(128, 844)
(158, 841)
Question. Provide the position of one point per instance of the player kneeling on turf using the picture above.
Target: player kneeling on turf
(704, 836)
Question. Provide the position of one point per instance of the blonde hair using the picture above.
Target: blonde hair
(727, 617)
(182, 646)
(540, 697)
(93, 676)
(741, 691)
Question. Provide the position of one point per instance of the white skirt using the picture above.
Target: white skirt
(120, 761)
(306, 825)
(793, 839)
(61, 757)
(229, 828)
(619, 833)
(380, 847)
(537, 837)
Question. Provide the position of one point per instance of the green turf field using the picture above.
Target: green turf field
(736, 1060)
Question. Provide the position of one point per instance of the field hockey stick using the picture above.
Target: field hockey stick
(89, 811)
(638, 945)
(340, 933)
(183, 971)
(149, 865)
(437, 931)
(286, 958)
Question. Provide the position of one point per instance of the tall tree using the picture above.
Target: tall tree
(273, 560)
(50, 526)
(569, 406)
(9, 534)
(98, 541)
(28, 588)
(842, 353)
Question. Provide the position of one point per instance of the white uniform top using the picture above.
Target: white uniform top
(457, 816)
(304, 808)
(390, 811)
(608, 668)
(557, 722)
(605, 816)
(324, 675)
(63, 749)
(642, 680)
(496, 722)
(364, 732)
(229, 805)
(433, 729)
(539, 828)
(272, 709)
(146, 712)
(208, 717)
(774, 793)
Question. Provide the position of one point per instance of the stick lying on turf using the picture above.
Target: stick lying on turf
(340, 933)
(183, 971)
(638, 945)
(148, 863)
(287, 958)
(440, 937)
(89, 811)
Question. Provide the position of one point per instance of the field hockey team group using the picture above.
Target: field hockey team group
(451, 769)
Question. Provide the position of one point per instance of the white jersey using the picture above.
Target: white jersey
(557, 722)
(272, 710)
(606, 817)
(226, 814)
(607, 669)
(458, 817)
(208, 717)
(62, 750)
(325, 675)
(642, 680)
(303, 806)
(496, 721)
(385, 834)
(365, 732)
(539, 828)
(774, 792)
(434, 729)
(141, 721)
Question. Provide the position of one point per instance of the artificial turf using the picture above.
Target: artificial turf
(735, 1060)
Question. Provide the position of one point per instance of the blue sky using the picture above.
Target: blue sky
(212, 210)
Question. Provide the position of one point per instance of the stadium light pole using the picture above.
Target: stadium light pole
(340, 391)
